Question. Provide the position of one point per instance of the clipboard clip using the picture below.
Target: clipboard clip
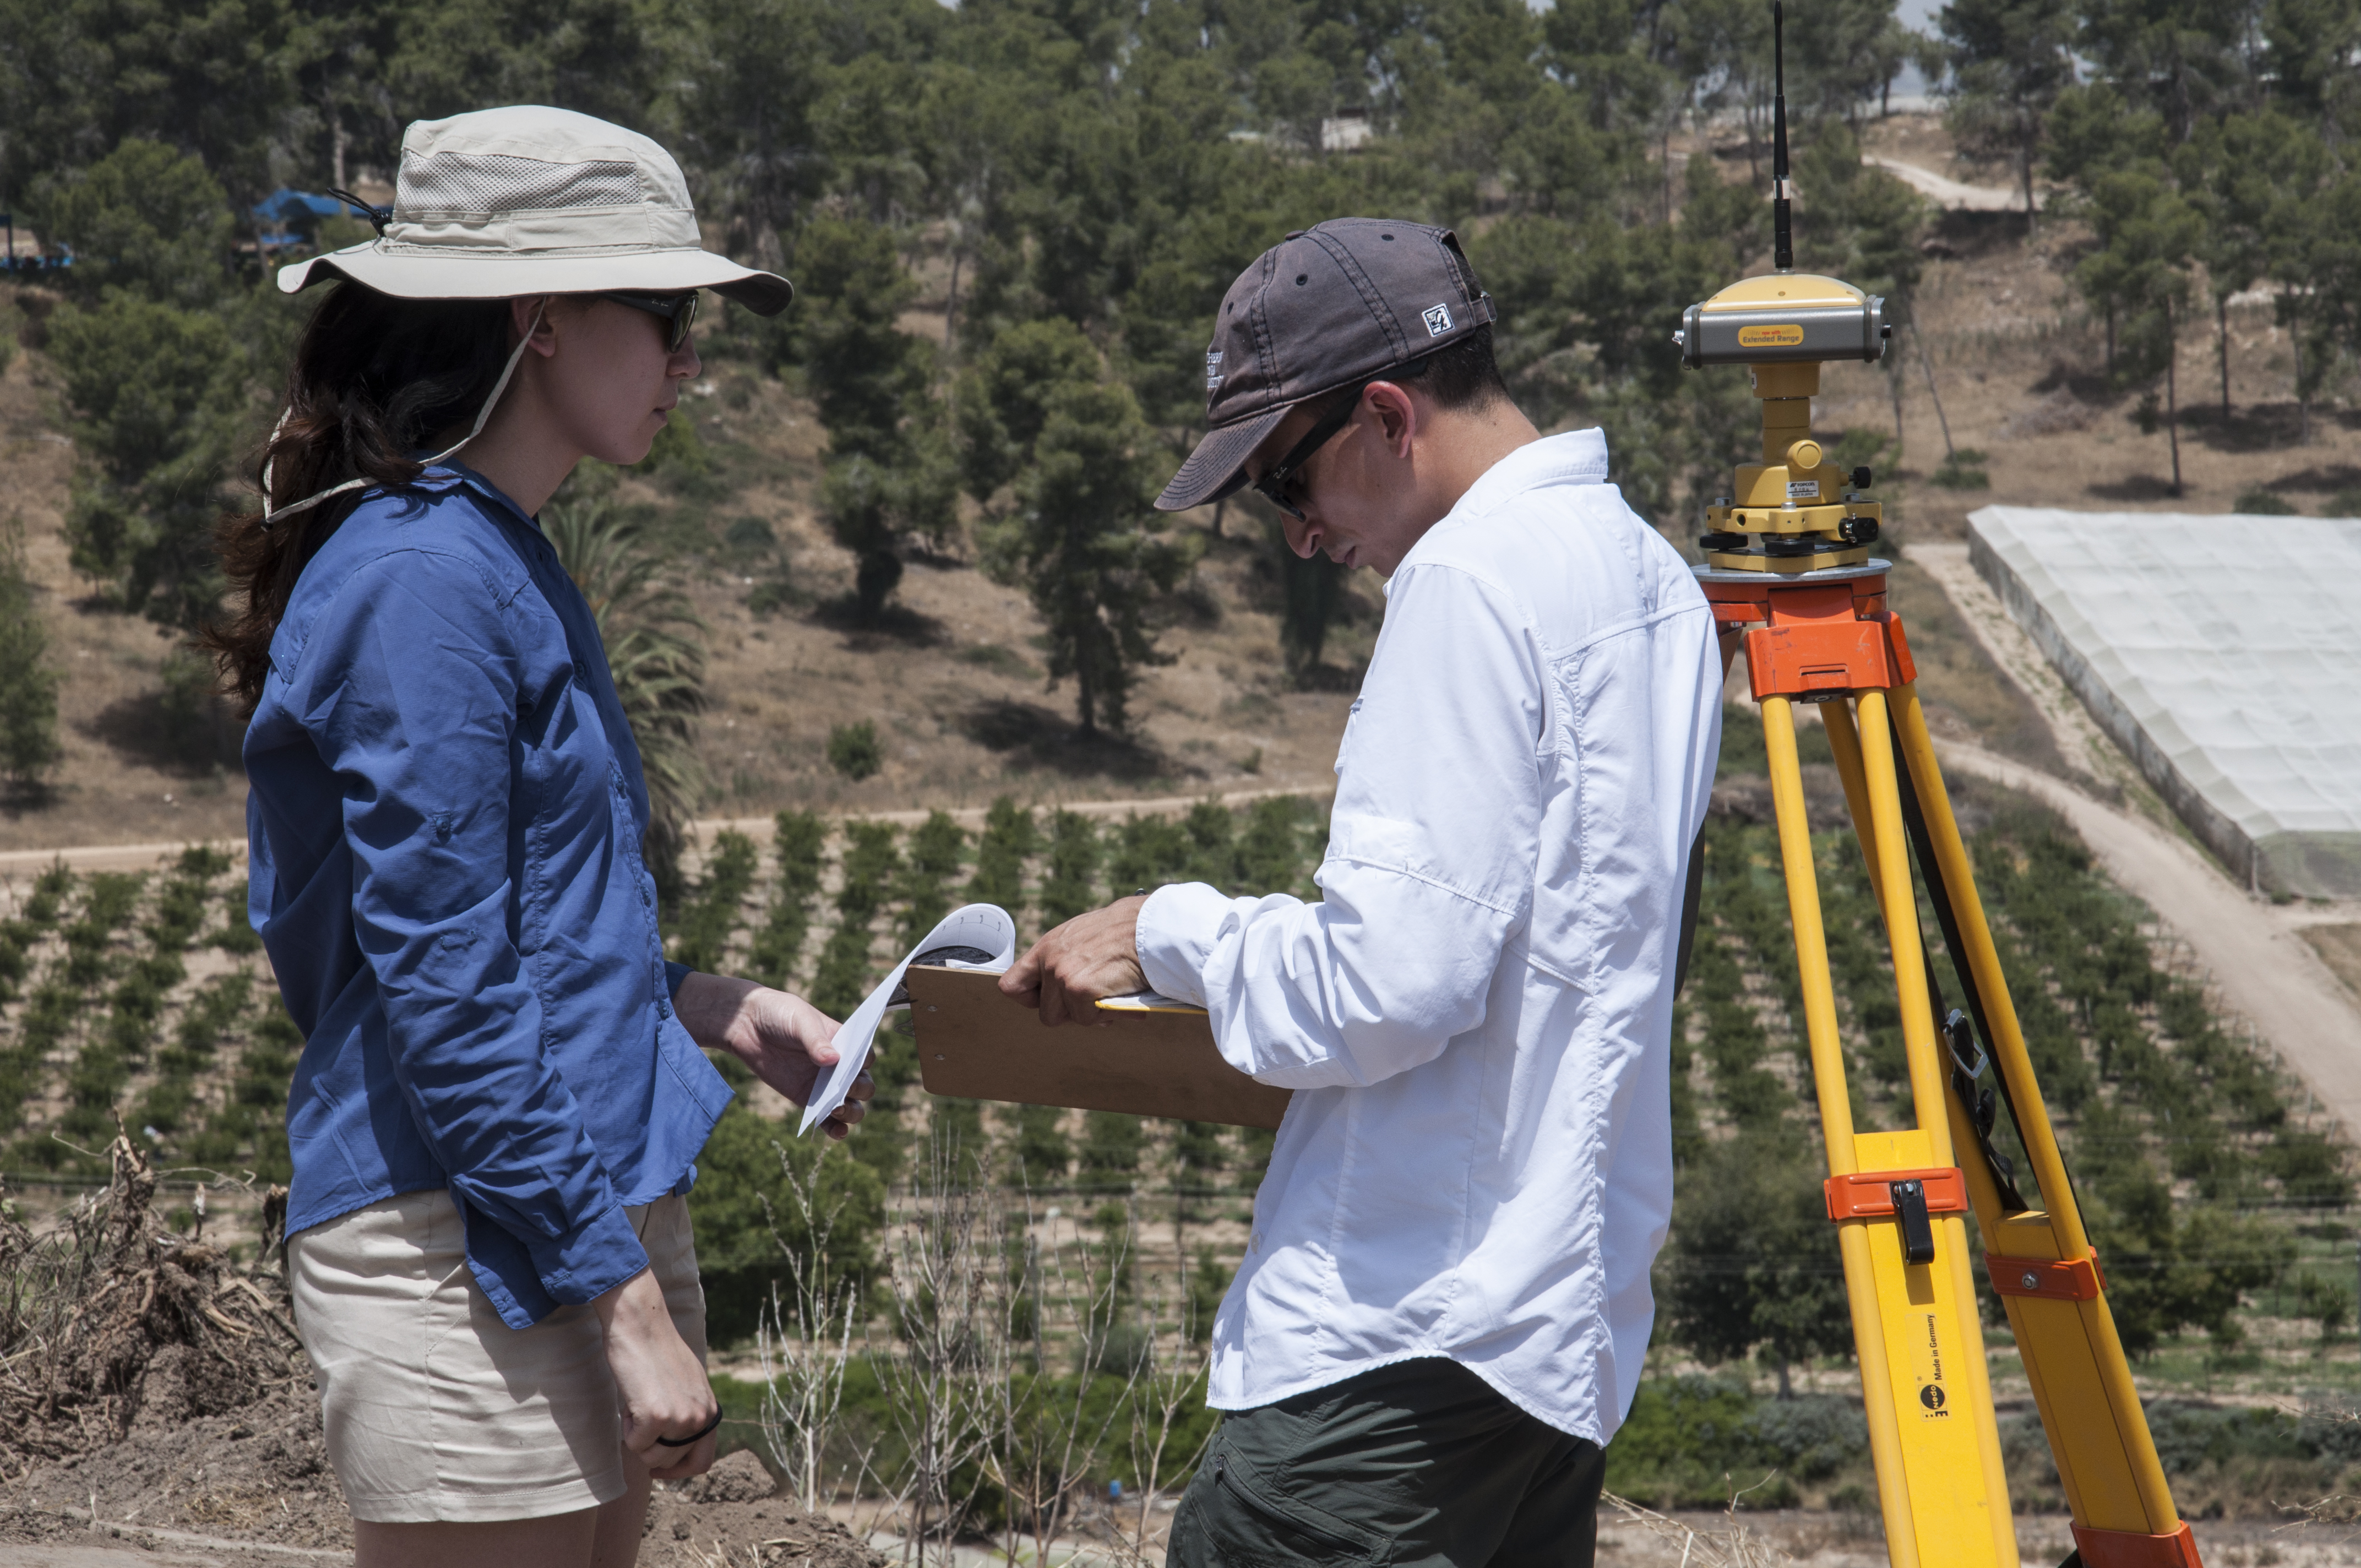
(970, 958)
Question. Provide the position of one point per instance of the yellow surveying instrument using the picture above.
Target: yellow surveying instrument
(1786, 555)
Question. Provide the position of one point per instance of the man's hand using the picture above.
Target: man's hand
(1088, 957)
(786, 1040)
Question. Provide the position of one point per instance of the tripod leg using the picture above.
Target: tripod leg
(1946, 1283)
(2072, 1355)
(1836, 1124)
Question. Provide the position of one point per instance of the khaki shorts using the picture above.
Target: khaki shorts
(437, 1410)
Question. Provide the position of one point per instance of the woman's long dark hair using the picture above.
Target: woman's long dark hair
(374, 379)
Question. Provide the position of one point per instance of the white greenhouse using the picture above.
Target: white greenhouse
(2221, 654)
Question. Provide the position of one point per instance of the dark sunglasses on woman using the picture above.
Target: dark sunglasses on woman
(677, 311)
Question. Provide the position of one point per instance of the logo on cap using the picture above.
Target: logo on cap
(1213, 369)
(1438, 320)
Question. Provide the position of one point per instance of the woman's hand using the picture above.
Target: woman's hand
(786, 1040)
(658, 1379)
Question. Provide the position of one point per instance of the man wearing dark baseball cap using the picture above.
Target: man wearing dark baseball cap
(1443, 1307)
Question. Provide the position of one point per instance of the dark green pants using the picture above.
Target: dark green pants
(1418, 1465)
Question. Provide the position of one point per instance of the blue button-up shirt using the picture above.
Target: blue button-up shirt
(445, 820)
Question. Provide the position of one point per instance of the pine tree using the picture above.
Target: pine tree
(889, 473)
(1081, 536)
(2009, 60)
(29, 686)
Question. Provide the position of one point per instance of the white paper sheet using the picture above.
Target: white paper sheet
(981, 926)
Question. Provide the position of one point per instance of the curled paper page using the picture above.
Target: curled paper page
(975, 935)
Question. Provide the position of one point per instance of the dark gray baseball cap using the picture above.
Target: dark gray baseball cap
(1325, 308)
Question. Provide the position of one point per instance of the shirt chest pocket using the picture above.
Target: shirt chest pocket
(577, 802)
(1344, 747)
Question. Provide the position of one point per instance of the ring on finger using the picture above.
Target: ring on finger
(701, 1432)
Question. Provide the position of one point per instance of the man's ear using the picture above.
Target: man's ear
(1397, 414)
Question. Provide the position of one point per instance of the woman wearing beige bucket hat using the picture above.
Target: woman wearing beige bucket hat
(501, 1097)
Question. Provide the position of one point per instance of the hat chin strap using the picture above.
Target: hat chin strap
(270, 514)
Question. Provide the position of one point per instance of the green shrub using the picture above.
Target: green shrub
(1112, 1145)
(1072, 885)
(795, 843)
(763, 1194)
(853, 750)
(1010, 838)
(715, 909)
(1963, 470)
(2255, 501)
(938, 850)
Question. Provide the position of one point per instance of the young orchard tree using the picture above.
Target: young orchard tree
(1752, 1267)
(2008, 62)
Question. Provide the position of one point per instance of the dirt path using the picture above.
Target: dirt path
(2260, 960)
(144, 856)
(1949, 195)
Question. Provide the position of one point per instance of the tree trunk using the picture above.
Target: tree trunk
(1665, 163)
(2111, 342)
(2025, 173)
(2302, 403)
(1927, 365)
(336, 146)
(1894, 390)
(1219, 507)
(2221, 335)
(951, 301)
(2172, 395)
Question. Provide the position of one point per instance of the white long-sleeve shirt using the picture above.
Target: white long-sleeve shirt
(1477, 1020)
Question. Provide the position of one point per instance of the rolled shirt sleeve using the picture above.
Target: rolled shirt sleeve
(415, 706)
(1430, 868)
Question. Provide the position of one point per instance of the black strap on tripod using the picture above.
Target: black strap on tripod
(1691, 893)
(1967, 1061)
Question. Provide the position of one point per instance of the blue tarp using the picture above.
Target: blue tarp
(284, 205)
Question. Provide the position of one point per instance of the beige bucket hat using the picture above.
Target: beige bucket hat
(528, 200)
(522, 200)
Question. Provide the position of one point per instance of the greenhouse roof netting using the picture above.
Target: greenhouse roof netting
(2220, 653)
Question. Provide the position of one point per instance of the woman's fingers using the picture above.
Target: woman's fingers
(696, 1460)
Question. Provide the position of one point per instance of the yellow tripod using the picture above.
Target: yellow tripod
(1788, 556)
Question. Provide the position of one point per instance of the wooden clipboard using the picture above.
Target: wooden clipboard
(977, 1044)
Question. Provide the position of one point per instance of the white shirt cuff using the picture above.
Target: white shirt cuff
(1178, 927)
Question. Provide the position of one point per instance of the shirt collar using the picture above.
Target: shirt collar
(1575, 457)
(451, 471)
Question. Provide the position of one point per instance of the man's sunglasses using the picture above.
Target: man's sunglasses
(677, 311)
(1276, 485)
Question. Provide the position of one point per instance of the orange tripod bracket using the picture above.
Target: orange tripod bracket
(2125, 1549)
(1869, 1194)
(1912, 1197)
(1824, 636)
(2077, 1279)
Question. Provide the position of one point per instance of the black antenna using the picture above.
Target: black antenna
(1782, 190)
